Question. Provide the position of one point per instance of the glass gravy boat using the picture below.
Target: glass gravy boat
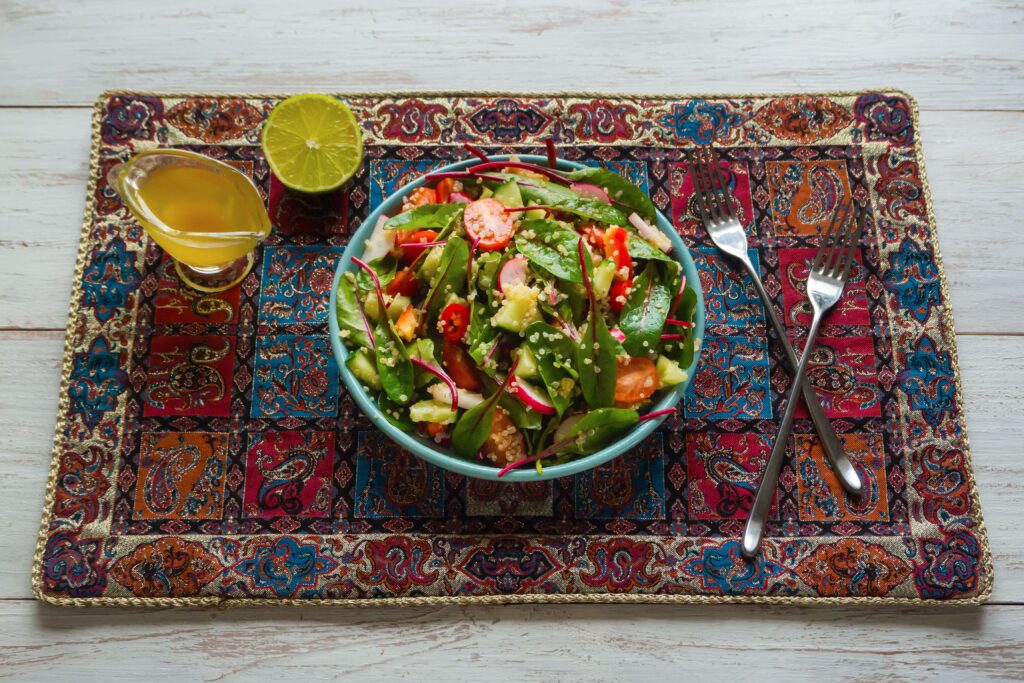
(208, 216)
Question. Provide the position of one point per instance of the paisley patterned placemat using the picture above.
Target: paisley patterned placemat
(205, 452)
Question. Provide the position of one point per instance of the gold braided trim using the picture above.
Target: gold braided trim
(946, 326)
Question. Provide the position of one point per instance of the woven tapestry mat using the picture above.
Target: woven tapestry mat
(173, 480)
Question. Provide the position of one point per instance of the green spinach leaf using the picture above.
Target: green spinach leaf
(450, 277)
(639, 248)
(347, 307)
(385, 267)
(555, 354)
(595, 357)
(600, 427)
(434, 216)
(396, 414)
(481, 333)
(393, 364)
(643, 315)
(550, 246)
(473, 428)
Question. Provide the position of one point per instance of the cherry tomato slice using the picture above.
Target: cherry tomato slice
(459, 365)
(419, 197)
(618, 294)
(615, 239)
(454, 321)
(488, 223)
(409, 241)
(636, 378)
(444, 190)
(404, 282)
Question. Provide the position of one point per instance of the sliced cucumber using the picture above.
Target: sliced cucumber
(604, 273)
(519, 309)
(432, 411)
(361, 364)
(508, 194)
(372, 307)
(430, 263)
(527, 365)
(669, 372)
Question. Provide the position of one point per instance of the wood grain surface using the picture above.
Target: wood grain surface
(963, 62)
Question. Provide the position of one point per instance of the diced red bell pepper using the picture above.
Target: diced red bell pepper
(618, 294)
(404, 282)
(615, 247)
(409, 242)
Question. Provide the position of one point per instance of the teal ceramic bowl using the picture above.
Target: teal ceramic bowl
(430, 451)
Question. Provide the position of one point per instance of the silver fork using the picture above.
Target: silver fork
(728, 235)
(825, 282)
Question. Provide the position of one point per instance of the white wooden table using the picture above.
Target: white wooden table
(963, 61)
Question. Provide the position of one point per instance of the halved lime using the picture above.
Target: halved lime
(312, 143)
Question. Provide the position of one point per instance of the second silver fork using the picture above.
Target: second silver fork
(727, 233)
(825, 283)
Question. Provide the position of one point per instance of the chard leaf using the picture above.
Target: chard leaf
(620, 190)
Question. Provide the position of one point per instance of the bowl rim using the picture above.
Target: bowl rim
(450, 461)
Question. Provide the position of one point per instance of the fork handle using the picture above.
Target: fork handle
(769, 482)
(841, 464)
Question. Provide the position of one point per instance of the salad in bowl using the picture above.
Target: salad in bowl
(510, 319)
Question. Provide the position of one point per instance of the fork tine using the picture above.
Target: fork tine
(698, 188)
(708, 176)
(850, 247)
(697, 191)
(849, 215)
(826, 242)
(716, 173)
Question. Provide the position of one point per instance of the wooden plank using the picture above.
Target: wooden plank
(577, 642)
(975, 162)
(952, 55)
(993, 374)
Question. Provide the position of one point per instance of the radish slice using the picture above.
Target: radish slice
(453, 393)
(467, 399)
(592, 191)
(381, 241)
(459, 198)
(533, 397)
(618, 334)
(650, 233)
(514, 272)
